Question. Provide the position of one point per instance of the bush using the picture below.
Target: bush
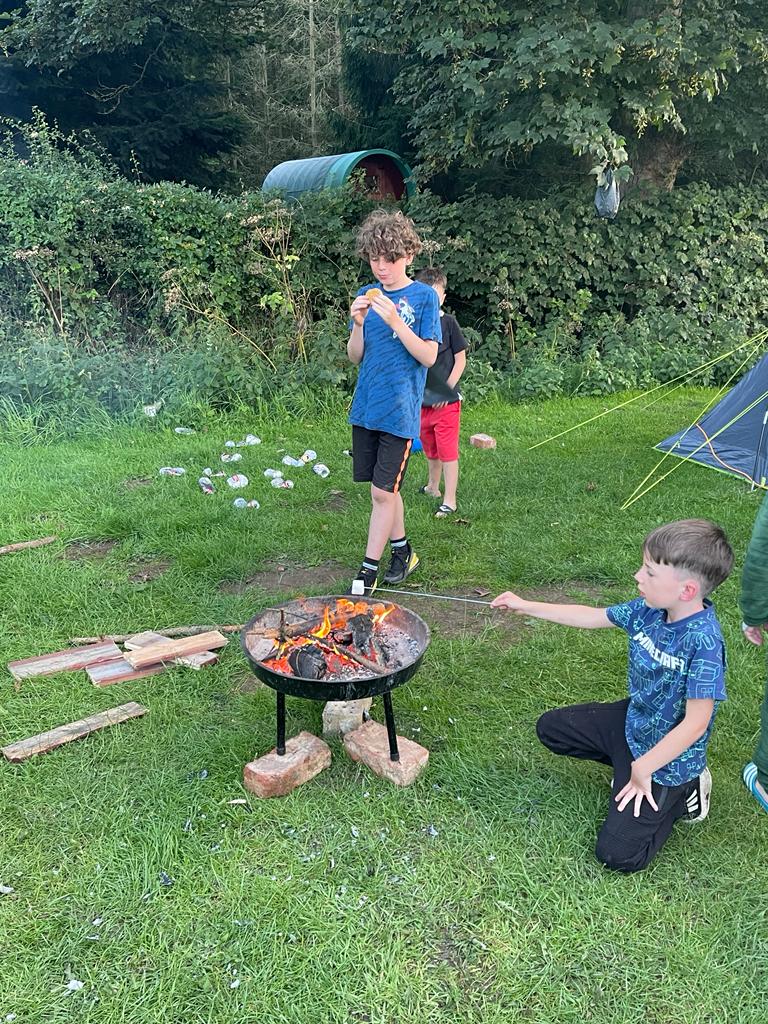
(137, 291)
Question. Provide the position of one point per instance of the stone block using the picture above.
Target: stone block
(343, 716)
(275, 775)
(370, 745)
(482, 441)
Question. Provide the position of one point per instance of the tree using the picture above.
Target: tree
(630, 84)
(144, 79)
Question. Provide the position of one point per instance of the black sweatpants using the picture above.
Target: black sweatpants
(595, 732)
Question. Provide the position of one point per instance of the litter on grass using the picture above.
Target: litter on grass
(183, 430)
(172, 471)
(242, 503)
(206, 486)
(278, 481)
(238, 480)
(233, 457)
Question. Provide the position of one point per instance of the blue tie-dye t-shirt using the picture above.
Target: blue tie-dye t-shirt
(670, 663)
(390, 384)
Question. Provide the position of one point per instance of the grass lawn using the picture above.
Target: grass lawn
(472, 896)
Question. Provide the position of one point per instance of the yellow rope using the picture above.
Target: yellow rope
(717, 394)
(636, 497)
(683, 376)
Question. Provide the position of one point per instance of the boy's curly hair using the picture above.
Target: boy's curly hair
(388, 234)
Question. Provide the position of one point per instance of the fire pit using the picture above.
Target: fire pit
(337, 649)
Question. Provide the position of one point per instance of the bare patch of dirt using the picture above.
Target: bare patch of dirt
(246, 682)
(96, 548)
(283, 578)
(337, 501)
(137, 481)
(148, 571)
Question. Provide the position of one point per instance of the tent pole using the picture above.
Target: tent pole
(757, 453)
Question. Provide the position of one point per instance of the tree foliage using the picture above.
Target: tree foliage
(145, 80)
(613, 80)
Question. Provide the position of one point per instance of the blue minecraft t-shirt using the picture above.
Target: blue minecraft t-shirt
(669, 663)
(390, 384)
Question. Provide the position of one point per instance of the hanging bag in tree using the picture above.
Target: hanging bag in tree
(607, 197)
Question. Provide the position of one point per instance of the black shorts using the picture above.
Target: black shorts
(380, 458)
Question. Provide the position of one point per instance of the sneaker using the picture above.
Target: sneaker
(697, 801)
(368, 577)
(751, 782)
(404, 561)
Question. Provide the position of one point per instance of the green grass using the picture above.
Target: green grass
(337, 903)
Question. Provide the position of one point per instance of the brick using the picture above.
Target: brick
(343, 716)
(272, 775)
(482, 441)
(370, 744)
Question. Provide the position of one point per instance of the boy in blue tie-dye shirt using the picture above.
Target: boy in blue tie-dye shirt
(394, 337)
(656, 739)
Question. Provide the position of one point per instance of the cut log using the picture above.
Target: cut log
(167, 650)
(196, 661)
(64, 661)
(46, 741)
(108, 672)
(6, 549)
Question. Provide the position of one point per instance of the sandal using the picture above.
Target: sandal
(750, 781)
(444, 511)
(429, 494)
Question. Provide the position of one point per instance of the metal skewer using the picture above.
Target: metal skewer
(421, 593)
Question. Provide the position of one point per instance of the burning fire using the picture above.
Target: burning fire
(336, 619)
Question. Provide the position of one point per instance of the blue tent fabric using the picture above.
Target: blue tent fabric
(742, 416)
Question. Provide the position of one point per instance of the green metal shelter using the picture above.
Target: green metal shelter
(385, 174)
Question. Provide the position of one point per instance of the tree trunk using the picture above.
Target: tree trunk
(658, 160)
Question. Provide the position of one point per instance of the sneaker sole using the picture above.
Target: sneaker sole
(700, 799)
(749, 775)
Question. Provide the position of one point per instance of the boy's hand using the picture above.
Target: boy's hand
(387, 310)
(638, 788)
(359, 309)
(510, 601)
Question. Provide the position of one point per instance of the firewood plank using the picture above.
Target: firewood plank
(46, 741)
(108, 672)
(167, 650)
(64, 661)
(196, 661)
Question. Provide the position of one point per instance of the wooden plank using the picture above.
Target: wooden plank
(46, 741)
(6, 549)
(196, 661)
(174, 631)
(167, 650)
(108, 672)
(64, 661)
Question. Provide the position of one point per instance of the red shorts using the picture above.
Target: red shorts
(440, 431)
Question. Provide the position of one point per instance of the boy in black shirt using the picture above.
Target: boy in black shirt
(441, 404)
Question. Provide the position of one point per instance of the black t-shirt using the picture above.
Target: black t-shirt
(436, 390)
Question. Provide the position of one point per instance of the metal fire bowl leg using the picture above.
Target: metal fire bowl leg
(394, 753)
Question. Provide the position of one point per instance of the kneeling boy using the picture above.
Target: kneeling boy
(656, 740)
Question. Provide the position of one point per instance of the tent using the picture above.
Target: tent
(733, 436)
